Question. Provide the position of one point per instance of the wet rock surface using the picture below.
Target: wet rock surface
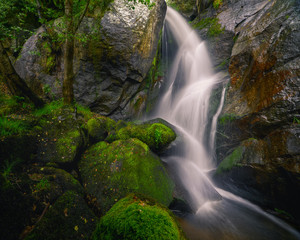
(259, 44)
(110, 65)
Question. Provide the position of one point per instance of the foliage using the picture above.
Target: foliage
(10, 126)
(137, 218)
(182, 6)
(217, 3)
(212, 24)
(8, 167)
(42, 184)
(49, 108)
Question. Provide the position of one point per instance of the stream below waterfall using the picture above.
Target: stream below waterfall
(185, 103)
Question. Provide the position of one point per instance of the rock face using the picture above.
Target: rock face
(111, 60)
(258, 138)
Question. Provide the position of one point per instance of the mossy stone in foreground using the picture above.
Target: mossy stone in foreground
(137, 218)
(157, 136)
(111, 171)
(69, 218)
(98, 128)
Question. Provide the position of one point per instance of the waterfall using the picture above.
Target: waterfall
(185, 103)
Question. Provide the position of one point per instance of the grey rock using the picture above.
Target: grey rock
(109, 66)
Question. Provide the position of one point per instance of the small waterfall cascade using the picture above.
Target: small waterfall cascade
(185, 103)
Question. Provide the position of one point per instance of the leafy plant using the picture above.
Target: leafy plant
(42, 184)
(49, 108)
(10, 126)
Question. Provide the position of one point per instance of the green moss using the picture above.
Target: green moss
(157, 136)
(231, 160)
(111, 171)
(137, 218)
(98, 128)
(217, 3)
(227, 118)
(68, 144)
(212, 24)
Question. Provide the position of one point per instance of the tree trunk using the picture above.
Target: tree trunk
(16, 85)
(68, 93)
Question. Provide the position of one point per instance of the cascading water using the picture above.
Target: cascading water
(185, 104)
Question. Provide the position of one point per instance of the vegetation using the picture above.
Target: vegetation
(136, 217)
(212, 24)
(217, 3)
(231, 160)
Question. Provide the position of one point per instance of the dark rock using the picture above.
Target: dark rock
(68, 218)
(109, 68)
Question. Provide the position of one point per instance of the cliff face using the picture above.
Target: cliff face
(258, 139)
(113, 55)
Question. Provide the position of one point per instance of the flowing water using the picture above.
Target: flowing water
(185, 103)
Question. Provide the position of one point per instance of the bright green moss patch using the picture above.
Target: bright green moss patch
(68, 144)
(157, 136)
(135, 218)
(111, 171)
(217, 3)
(231, 160)
(212, 24)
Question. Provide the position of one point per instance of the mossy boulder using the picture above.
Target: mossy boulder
(61, 137)
(137, 218)
(68, 218)
(98, 128)
(111, 171)
(156, 135)
(49, 183)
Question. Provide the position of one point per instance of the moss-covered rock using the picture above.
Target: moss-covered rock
(137, 218)
(61, 137)
(157, 136)
(98, 128)
(69, 218)
(49, 183)
(111, 171)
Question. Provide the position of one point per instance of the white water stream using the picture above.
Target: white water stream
(185, 104)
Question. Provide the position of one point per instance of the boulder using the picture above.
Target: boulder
(111, 171)
(113, 55)
(156, 135)
(61, 138)
(136, 217)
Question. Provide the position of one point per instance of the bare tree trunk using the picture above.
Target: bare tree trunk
(16, 85)
(68, 93)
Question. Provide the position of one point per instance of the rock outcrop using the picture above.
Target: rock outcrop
(113, 55)
(258, 133)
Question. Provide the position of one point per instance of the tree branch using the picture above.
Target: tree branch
(82, 16)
